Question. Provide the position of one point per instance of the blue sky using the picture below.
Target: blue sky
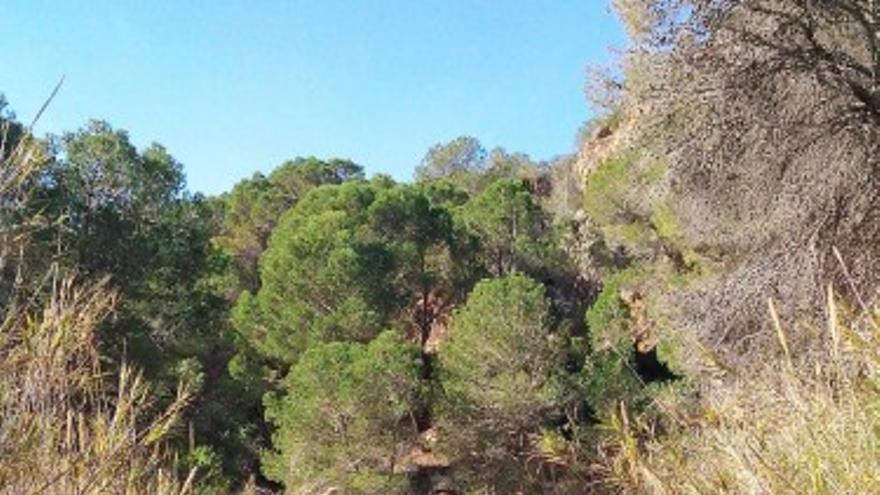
(232, 87)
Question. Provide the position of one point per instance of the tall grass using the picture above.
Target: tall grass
(66, 426)
(802, 425)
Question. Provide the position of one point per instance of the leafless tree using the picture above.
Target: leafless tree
(768, 114)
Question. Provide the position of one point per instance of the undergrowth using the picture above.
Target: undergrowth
(800, 425)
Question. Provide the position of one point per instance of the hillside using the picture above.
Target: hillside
(687, 303)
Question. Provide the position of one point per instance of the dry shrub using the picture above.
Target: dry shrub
(65, 427)
(800, 425)
(763, 114)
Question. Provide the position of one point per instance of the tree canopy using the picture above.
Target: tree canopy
(499, 372)
(348, 410)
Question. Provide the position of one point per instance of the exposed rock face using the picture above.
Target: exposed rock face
(607, 139)
(641, 327)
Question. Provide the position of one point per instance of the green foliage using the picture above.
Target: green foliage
(618, 197)
(500, 354)
(606, 187)
(12, 130)
(608, 317)
(346, 410)
(343, 317)
(405, 214)
(465, 163)
(103, 169)
(323, 279)
(499, 372)
(254, 206)
(695, 268)
(418, 237)
(111, 202)
(124, 214)
(611, 380)
(608, 372)
(68, 422)
(344, 263)
(633, 234)
(208, 463)
(320, 262)
(443, 193)
(501, 165)
(509, 225)
(666, 223)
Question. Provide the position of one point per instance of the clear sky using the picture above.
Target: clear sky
(232, 87)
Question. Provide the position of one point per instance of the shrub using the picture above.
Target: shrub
(798, 425)
(499, 375)
(65, 427)
(348, 409)
(608, 318)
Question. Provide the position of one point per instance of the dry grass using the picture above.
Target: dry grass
(66, 427)
(801, 425)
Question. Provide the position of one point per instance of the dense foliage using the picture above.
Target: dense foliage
(307, 308)
(500, 376)
(346, 405)
(598, 323)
